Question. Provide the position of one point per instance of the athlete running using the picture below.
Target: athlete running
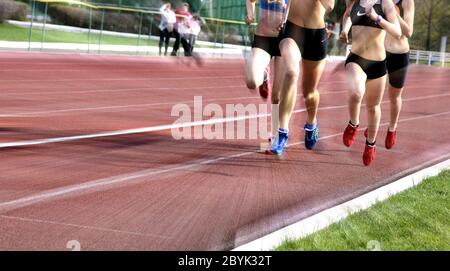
(265, 47)
(366, 64)
(304, 38)
(397, 61)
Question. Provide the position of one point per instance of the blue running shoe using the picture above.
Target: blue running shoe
(280, 142)
(311, 136)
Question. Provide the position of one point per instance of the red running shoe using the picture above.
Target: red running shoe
(391, 138)
(350, 135)
(264, 89)
(369, 154)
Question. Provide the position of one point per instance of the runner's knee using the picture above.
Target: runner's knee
(357, 91)
(356, 96)
(396, 100)
(310, 94)
(373, 108)
(292, 72)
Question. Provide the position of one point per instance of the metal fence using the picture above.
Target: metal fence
(223, 26)
(424, 57)
(143, 22)
(430, 58)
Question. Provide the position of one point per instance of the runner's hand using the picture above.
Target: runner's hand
(249, 19)
(280, 26)
(344, 37)
(371, 13)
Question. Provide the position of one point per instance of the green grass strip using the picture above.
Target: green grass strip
(416, 219)
(15, 33)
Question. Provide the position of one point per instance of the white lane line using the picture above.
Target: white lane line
(337, 213)
(99, 69)
(119, 107)
(15, 93)
(138, 61)
(124, 178)
(9, 93)
(102, 108)
(149, 79)
(35, 142)
(4, 206)
(127, 132)
(147, 89)
(33, 220)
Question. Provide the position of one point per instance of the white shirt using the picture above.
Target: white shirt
(195, 27)
(167, 17)
(183, 27)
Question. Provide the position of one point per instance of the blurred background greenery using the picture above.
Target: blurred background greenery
(432, 18)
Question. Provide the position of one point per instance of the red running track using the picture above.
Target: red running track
(147, 191)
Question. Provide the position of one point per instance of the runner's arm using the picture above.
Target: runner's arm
(391, 25)
(327, 4)
(407, 22)
(346, 22)
(250, 11)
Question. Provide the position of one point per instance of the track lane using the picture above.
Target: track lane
(210, 206)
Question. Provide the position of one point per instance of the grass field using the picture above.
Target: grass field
(417, 219)
(14, 33)
(437, 64)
